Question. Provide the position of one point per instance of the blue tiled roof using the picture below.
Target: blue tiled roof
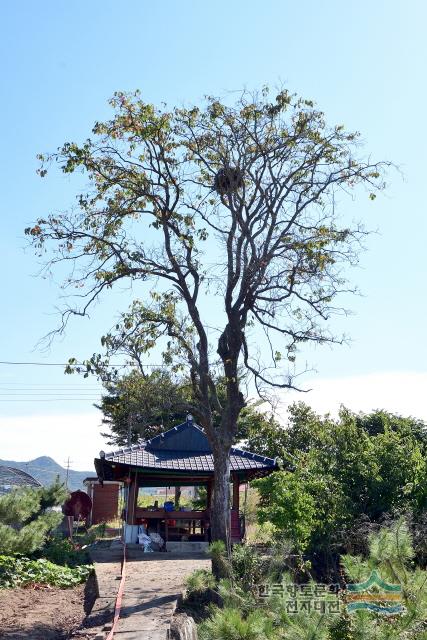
(185, 448)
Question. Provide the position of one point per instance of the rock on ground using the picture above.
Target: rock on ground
(183, 627)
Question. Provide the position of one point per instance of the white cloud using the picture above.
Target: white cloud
(58, 436)
(402, 392)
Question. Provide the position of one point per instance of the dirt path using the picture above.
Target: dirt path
(153, 585)
(151, 592)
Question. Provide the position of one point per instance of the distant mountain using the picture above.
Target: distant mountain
(45, 470)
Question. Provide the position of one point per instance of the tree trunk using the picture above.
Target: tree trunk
(220, 510)
(221, 498)
(229, 346)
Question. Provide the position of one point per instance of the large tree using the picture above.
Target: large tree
(139, 405)
(225, 214)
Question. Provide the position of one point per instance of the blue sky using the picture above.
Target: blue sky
(362, 62)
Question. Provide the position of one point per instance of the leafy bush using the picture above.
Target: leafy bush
(63, 552)
(262, 533)
(247, 566)
(18, 572)
(359, 466)
(200, 500)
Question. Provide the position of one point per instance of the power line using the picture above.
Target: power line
(76, 364)
(50, 392)
(50, 400)
(46, 393)
(4, 387)
(49, 384)
(53, 364)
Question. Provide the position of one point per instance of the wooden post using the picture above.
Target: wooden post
(209, 494)
(236, 493)
(132, 500)
(208, 507)
(70, 520)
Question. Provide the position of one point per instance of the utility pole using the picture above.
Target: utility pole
(68, 462)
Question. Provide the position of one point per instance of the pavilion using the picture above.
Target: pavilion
(179, 457)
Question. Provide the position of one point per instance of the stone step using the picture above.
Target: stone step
(187, 547)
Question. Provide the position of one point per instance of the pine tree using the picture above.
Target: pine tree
(26, 517)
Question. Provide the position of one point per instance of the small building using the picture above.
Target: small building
(180, 457)
(12, 478)
(105, 500)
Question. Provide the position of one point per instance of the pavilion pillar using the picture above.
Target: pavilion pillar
(209, 494)
(132, 500)
(236, 492)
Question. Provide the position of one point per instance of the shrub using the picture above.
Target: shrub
(261, 534)
(247, 566)
(342, 628)
(228, 624)
(96, 531)
(246, 616)
(199, 581)
(233, 596)
(221, 567)
(391, 554)
(287, 503)
(63, 552)
(338, 472)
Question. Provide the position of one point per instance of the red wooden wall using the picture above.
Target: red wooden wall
(105, 501)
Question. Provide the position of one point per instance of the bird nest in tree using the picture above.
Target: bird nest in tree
(228, 180)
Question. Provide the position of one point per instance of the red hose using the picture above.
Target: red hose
(119, 596)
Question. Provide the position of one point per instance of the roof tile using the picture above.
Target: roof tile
(184, 448)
